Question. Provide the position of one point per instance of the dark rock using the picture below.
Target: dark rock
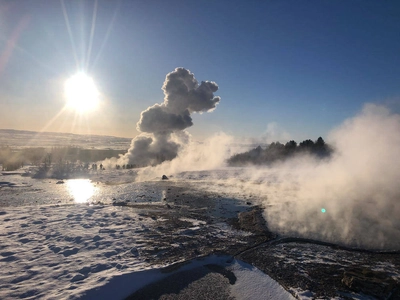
(366, 281)
(60, 182)
(164, 177)
(135, 251)
(252, 221)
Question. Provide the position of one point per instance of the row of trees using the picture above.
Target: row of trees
(279, 152)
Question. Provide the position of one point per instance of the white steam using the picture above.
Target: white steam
(194, 156)
(359, 188)
(353, 198)
(162, 125)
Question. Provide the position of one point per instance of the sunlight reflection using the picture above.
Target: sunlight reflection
(81, 189)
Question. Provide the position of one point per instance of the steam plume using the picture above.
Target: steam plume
(353, 198)
(162, 125)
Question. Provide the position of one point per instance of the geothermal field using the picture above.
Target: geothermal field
(300, 229)
(169, 218)
(274, 173)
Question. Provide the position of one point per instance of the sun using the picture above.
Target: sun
(81, 93)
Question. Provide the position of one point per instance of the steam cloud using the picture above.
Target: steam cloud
(162, 125)
(353, 198)
(358, 188)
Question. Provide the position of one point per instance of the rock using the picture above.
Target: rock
(134, 251)
(60, 182)
(164, 177)
(366, 281)
(252, 221)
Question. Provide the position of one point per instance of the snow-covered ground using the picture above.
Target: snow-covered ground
(67, 241)
(106, 236)
(61, 251)
(22, 139)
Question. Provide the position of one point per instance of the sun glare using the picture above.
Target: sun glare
(81, 189)
(81, 93)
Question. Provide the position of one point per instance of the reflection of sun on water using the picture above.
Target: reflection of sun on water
(81, 189)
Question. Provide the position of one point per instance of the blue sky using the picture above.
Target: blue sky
(303, 66)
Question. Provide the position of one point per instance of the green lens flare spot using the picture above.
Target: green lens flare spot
(323, 210)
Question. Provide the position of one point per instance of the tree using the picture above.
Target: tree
(291, 146)
(320, 142)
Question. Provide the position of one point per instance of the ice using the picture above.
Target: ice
(254, 284)
(247, 282)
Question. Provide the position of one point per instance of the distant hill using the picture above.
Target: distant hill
(24, 138)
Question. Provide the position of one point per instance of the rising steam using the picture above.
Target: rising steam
(353, 198)
(162, 125)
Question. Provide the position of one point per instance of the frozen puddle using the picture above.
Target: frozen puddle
(211, 277)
